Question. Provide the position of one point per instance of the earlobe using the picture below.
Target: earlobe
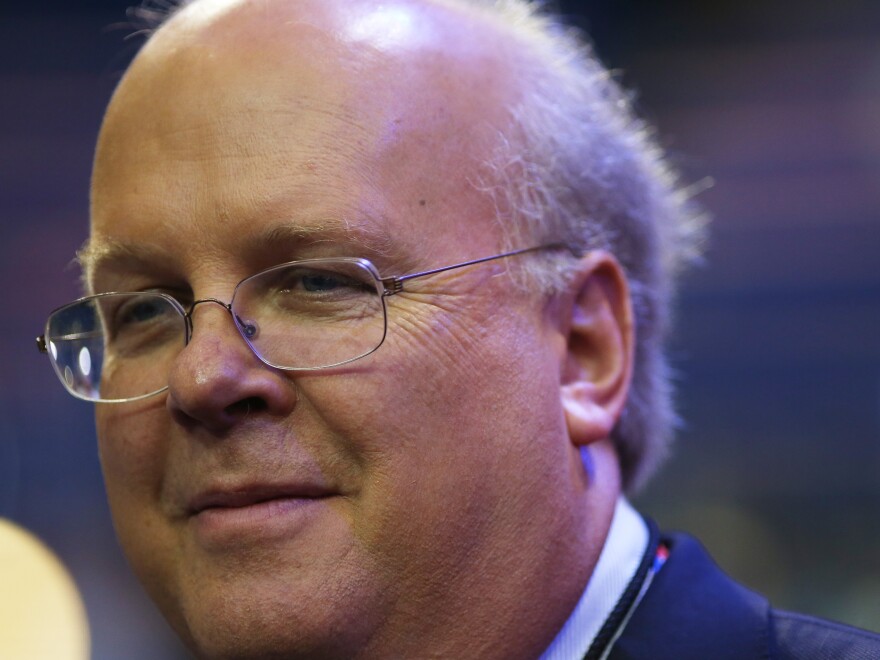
(598, 362)
(586, 421)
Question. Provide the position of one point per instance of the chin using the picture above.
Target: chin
(229, 626)
(268, 610)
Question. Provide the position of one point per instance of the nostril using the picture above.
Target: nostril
(245, 407)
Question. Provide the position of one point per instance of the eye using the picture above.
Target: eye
(141, 310)
(323, 281)
(133, 313)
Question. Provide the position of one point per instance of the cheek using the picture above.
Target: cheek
(491, 373)
(131, 446)
(446, 419)
(132, 449)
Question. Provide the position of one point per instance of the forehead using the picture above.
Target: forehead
(230, 125)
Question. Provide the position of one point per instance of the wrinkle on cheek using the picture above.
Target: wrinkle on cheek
(465, 376)
(462, 328)
(438, 337)
(479, 345)
(464, 301)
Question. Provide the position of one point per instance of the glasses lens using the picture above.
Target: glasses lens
(312, 314)
(115, 346)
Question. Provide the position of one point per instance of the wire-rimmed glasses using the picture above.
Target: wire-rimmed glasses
(298, 316)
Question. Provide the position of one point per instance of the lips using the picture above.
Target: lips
(250, 496)
(226, 518)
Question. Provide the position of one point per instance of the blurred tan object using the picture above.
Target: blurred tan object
(41, 614)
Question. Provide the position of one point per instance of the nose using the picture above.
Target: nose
(217, 381)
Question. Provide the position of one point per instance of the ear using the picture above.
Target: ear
(598, 363)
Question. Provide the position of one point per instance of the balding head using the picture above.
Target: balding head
(418, 83)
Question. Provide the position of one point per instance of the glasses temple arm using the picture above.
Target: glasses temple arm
(395, 284)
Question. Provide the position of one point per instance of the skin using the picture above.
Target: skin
(430, 500)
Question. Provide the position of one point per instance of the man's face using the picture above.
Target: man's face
(325, 512)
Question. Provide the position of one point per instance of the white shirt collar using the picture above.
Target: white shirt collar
(621, 555)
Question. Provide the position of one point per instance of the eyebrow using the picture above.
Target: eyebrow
(366, 237)
(98, 253)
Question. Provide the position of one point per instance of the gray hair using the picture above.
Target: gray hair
(579, 168)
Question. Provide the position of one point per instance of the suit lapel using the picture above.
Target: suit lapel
(694, 611)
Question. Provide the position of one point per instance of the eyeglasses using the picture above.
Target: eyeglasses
(299, 316)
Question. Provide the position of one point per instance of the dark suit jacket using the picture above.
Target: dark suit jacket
(693, 611)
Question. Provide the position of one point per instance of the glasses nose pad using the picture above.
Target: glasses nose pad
(248, 328)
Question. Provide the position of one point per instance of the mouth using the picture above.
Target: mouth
(252, 496)
(223, 516)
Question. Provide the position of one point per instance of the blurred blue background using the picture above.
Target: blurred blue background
(778, 339)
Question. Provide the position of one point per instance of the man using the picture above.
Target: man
(378, 297)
